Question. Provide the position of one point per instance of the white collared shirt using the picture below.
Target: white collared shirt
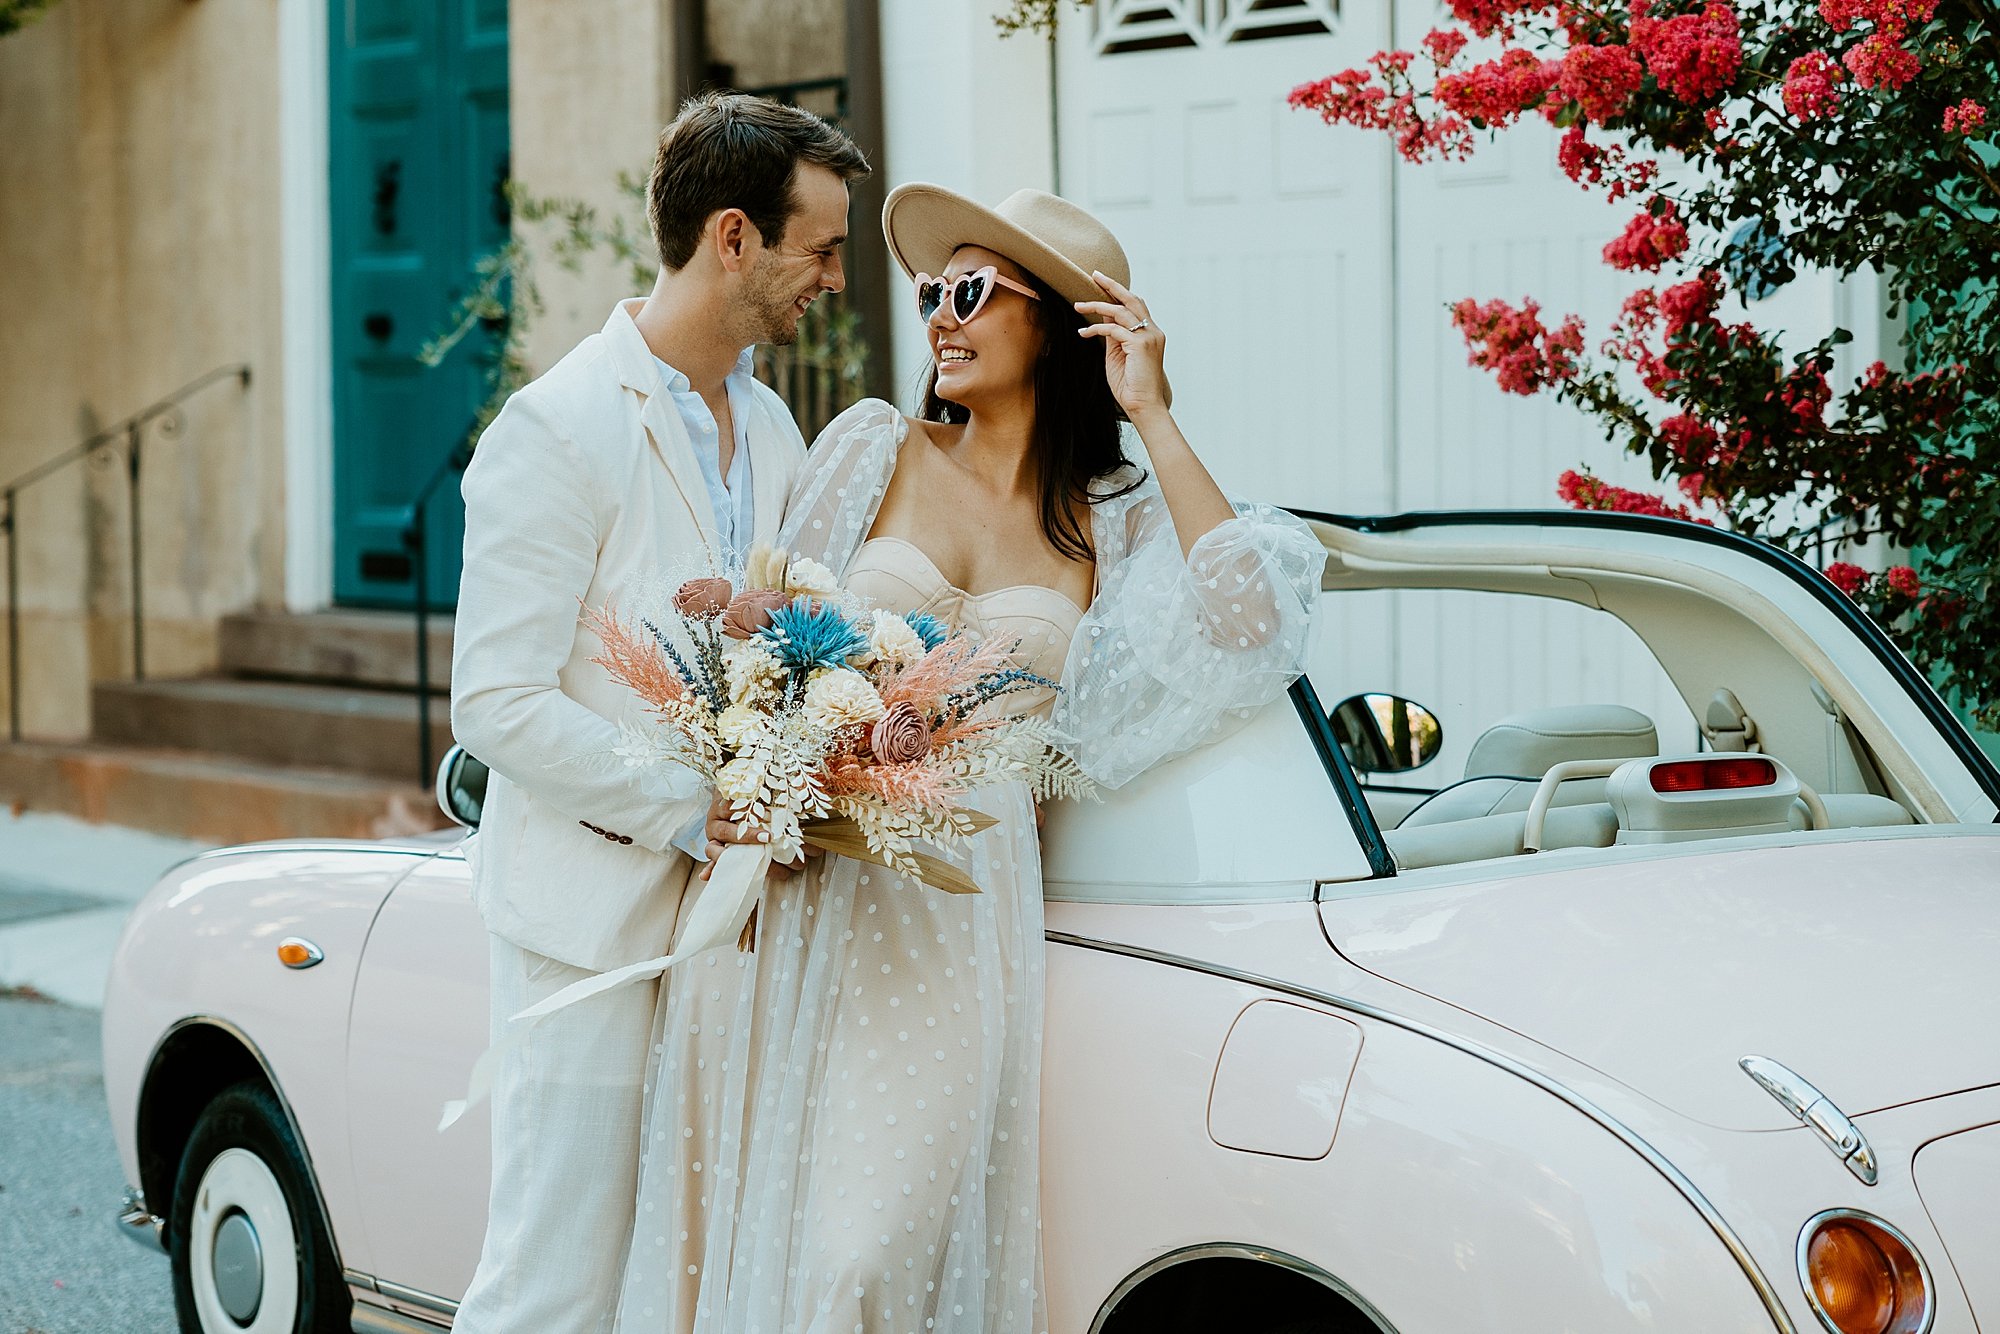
(729, 497)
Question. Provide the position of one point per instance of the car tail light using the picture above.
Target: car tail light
(1713, 775)
(1863, 1276)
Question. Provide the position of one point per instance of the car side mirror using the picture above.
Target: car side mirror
(461, 786)
(1386, 734)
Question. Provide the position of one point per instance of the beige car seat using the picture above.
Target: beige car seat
(1510, 757)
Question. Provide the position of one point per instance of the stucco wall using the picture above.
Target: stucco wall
(586, 101)
(138, 250)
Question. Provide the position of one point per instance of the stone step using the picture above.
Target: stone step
(288, 723)
(372, 648)
(209, 797)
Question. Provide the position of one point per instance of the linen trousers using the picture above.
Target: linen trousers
(566, 1107)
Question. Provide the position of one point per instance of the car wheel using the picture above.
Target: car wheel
(250, 1254)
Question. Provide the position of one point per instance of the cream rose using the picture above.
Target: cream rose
(737, 724)
(891, 640)
(810, 577)
(841, 698)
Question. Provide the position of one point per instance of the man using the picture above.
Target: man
(649, 449)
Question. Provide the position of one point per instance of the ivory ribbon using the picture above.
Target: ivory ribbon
(720, 913)
(720, 916)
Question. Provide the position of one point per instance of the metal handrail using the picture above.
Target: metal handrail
(416, 540)
(132, 432)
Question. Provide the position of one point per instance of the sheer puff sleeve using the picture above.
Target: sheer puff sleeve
(837, 493)
(1176, 651)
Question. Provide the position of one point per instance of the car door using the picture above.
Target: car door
(419, 1021)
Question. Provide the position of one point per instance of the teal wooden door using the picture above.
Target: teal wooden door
(418, 155)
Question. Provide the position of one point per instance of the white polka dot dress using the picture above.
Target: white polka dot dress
(842, 1127)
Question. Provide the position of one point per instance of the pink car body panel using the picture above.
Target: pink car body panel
(1790, 952)
(1156, 1139)
(203, 947)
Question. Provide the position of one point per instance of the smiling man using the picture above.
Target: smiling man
(649, 449)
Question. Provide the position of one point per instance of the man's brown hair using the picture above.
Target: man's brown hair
(731, 150)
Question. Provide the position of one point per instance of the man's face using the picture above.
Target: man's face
(786, 278)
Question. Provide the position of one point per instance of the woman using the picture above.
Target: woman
(842, 1125)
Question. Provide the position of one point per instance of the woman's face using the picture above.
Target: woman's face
(991, 356)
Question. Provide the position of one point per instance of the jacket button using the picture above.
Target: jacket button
(624, 838)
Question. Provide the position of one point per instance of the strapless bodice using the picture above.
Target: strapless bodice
(897, 575)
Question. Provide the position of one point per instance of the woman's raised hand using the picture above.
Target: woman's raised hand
(1134, 349)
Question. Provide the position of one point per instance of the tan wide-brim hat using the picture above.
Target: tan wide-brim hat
(1043, 233)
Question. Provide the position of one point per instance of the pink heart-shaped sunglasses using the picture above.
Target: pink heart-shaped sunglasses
(968, 292)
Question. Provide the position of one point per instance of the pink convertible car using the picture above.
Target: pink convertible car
(1646, 976)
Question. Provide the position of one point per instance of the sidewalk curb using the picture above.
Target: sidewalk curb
(103, 871)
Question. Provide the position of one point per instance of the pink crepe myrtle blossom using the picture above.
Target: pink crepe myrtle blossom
(1587, 164)
(1691, 302)
(1881, 60)
(1496, 92)
(1694, 57)
(1840, 15)
(1649, 240)
(1600, 80)
(1806, 394)
(1848, 578)
(1967, 118)
(1352, 97)
(1442, 45)
(1584, 491)
(1809, 86)
(1903, 582)
(1524, 354)
(1487, 17)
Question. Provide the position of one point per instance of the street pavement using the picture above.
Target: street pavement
(63, 1267)
(65, 890)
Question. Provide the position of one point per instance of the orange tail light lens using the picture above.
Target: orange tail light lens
(1863, 1277)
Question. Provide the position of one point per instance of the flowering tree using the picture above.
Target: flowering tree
(1752, 140)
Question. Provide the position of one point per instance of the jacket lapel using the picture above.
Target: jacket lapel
(640, 374)
(772, 462)
(670, 442)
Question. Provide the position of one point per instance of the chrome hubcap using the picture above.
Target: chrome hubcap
(239, 1267)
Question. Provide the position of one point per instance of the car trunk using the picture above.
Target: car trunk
(1871, 967)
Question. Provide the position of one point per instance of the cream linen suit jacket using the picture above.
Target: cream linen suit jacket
(585, 485)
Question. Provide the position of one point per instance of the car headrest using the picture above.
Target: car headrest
(1527, 745)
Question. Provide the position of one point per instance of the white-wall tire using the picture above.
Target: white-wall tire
(237, 1191)
(250, 1248)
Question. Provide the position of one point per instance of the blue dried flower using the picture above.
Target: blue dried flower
(809, 634)
(929, 629)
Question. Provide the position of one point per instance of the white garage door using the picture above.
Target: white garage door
(1255, 234)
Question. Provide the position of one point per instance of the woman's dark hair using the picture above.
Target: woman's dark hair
(1076, 421)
